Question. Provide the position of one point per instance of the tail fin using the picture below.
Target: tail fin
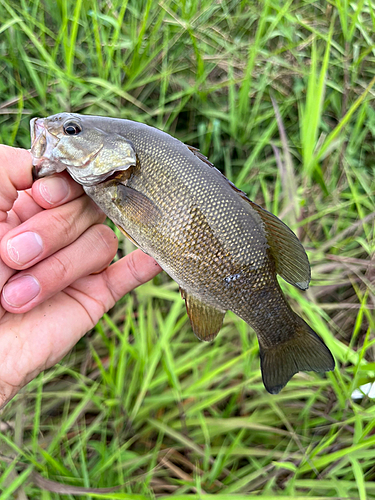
(304, 351)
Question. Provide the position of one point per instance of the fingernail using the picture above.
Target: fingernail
(20, 291)
(24, 247)
(53, 189)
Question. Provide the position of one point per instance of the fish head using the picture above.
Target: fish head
(76, 143)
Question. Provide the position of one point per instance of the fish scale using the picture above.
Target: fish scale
(221, 248)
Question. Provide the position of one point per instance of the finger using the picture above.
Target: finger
(138, 269)
(55, 190)
(96, 294)
(63, 320)
(25, 207)
(5, 271)
(93, 251)
(47, 232)
(15, 165)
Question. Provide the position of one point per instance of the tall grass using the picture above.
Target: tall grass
(279, 95)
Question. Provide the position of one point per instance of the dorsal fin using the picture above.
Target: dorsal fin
(201, 156)
(290, 257)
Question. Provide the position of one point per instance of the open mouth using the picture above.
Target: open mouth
(47, 159)
(42, 144)
(38, 138)
(36, 130)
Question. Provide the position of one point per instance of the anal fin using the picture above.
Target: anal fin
(205, 320)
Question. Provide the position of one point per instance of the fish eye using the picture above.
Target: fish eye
(72, 128)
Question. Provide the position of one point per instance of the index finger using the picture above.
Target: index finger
(55, 190)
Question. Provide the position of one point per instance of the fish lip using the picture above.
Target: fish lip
(32, 129)
(42, 165)
(35, 174)
(37, 128)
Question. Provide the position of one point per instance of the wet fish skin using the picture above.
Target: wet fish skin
(222, 249)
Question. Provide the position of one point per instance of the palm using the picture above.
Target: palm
(39, 338)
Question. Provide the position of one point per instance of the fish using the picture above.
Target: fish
(222, 249)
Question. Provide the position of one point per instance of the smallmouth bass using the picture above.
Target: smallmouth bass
(222, 249)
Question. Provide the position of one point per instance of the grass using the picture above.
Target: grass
(279, 95)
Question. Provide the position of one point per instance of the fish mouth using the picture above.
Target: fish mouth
(47, 158)
(42, 145)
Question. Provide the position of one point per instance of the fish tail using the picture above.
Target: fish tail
(303, 351)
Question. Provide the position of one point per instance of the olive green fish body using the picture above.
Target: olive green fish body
(190, 247)
(222, 249)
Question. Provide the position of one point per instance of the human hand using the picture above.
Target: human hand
(52, 240)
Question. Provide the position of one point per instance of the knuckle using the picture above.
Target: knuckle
(64, 223)
(97, 213)
(105, 238)
(61, 268)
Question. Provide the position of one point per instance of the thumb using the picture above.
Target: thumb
(16, 175)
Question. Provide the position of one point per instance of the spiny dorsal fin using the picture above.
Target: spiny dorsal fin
(201, 156)
(290, 257)
(205, 320)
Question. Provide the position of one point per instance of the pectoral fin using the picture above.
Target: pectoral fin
(136, 205)
(290, 257)
(205, 320)
(127, 235)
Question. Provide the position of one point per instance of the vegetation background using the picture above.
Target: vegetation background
(278, 94)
